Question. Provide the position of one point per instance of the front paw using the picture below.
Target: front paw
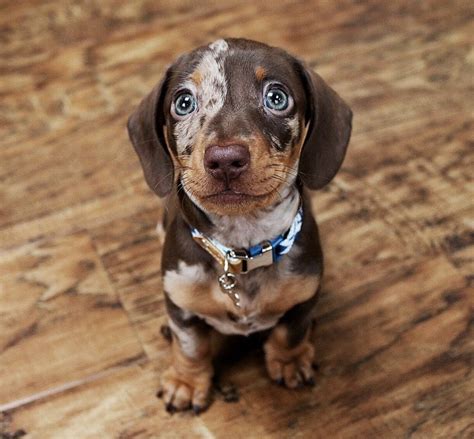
(180, 392)
(291, 368)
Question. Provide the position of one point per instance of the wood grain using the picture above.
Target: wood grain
(80, 291)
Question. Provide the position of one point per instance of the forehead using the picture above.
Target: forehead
(239, 61)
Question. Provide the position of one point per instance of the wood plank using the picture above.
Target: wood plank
(61, 318)
(130, 250)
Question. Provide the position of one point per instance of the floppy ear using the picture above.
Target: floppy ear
(145, 129)
(330, 124)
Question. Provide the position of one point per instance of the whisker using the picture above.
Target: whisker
(283, 168)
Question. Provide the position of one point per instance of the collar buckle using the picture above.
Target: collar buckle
(241, 262)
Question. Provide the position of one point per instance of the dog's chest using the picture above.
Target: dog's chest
(253, 313)
(266, 294)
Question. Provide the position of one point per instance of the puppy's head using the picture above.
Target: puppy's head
(235, 123)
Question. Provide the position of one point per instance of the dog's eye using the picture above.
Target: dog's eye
(276, 99)
(184, 104)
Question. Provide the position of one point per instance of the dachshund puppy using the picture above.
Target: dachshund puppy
(234, 135)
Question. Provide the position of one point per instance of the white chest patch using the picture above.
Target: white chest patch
(194, 290)
(201, 288)
(185, 276)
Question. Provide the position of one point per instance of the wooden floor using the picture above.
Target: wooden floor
(80, 297)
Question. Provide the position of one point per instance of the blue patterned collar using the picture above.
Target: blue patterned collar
(244, 260)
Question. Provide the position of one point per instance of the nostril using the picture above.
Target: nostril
(226, 162)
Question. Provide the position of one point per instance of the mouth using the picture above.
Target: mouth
(229, 196)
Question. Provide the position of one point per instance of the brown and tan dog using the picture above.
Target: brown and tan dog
(232, 135)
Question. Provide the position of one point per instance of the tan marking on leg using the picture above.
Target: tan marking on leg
(291, 366)
(187, 382)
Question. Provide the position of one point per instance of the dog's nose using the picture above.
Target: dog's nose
(226, 162)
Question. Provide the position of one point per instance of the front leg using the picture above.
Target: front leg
(289, 353)
(186, 383)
